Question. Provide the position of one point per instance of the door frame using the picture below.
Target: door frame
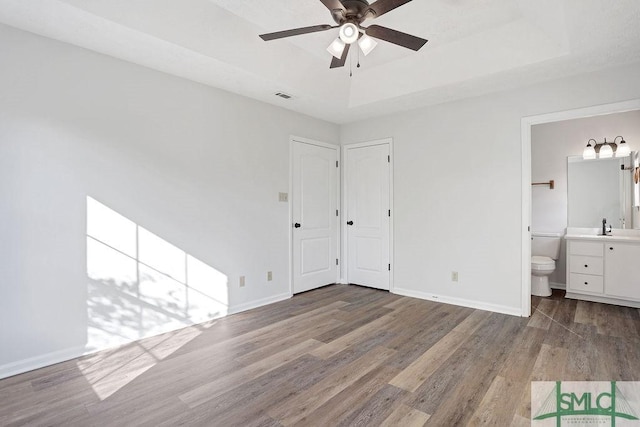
(344, 271)
(294, 140)
(525, 126)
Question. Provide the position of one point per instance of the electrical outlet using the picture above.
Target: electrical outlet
(454, 276)
(269, 276)
(242, 281)
(283, 197)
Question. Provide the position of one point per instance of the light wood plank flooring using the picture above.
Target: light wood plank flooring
(340, 355)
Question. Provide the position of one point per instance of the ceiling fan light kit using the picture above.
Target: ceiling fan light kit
(349, 15)
(367, 44)
(336, 48)
(349, 33)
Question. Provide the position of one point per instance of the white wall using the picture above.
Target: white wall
(458, 190)
(201, 169)
(551, 144)
(197, 167)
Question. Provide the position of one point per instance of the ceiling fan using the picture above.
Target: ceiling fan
(349, 15)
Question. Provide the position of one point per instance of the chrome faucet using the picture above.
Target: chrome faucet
(605, 232)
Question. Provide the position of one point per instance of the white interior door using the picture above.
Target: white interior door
(314, 215)
(368, 215)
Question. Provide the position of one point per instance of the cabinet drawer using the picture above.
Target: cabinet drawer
(586, 282)
(586, 248)
(586, 264)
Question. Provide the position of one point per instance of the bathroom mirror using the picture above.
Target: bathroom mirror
(599, 188)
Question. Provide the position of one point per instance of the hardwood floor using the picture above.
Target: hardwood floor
(340, 355)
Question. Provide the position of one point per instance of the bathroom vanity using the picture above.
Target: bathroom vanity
(603, 265)
(604, 268)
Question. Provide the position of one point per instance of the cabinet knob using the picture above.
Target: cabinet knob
(586, 283)
(586, 265)
(610, 249)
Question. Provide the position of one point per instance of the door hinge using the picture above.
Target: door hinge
(389, 267)
(336, 261)
(389, 212)
(529, 228)
(337, 212)
(388, 159)
(336, 163)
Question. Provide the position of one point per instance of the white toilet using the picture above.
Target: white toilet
(545, 250)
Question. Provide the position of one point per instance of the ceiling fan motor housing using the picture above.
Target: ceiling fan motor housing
(356, 12)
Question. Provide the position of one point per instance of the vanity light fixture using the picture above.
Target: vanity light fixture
(606, 149)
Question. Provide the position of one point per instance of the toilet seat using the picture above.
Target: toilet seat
(542, 263)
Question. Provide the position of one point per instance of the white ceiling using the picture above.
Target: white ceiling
(475, 46)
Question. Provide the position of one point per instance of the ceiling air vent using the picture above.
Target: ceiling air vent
(283, 95)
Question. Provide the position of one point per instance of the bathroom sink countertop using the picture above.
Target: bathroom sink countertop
(607, 238)
(592, 234)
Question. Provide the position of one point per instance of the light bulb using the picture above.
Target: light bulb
(623, 149)
(606, 151)
(589, 152)
(336, 48)
(367, 44)
(349, 33)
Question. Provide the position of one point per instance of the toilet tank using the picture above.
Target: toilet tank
(546, 244)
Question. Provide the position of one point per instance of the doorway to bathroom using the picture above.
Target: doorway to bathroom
(547, 219)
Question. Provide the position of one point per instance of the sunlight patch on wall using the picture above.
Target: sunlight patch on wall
(140, 285)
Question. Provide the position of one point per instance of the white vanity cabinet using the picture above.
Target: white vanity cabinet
(604, 269)
(586, 267)
(622, 274)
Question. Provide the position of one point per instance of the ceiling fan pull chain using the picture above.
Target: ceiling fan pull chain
(358, 66)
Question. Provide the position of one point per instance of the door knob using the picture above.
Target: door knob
(349, 222)
(296, 225)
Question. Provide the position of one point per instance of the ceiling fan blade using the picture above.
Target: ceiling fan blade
(338, 11)
(334, 5)
(295, 32)
(395, 37)
(380, 7)
(335, 62)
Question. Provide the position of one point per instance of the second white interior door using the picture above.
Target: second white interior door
(314, 211)
(368, 215)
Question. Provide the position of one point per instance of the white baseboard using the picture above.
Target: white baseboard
(605, 300)
(258, 303)
(37, 362)
(513, 311)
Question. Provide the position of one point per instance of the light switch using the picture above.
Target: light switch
(283, 197)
